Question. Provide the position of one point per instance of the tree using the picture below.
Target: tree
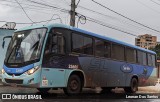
(157, 50)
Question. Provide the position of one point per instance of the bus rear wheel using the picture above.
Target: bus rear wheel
(133, 86)
(43, 90)
(74, 85)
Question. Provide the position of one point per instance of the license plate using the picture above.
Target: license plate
(44, 82)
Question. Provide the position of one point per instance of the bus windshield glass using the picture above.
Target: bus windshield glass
(25, 46)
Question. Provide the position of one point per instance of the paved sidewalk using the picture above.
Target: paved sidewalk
(150, 89)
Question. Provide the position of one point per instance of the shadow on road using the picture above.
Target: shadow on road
(84, 95)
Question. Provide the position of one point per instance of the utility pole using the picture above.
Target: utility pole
(72, 13)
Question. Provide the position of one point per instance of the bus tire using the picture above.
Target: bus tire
(74, 85)
(133, 86)
(43, 90)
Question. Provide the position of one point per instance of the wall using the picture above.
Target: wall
(3, 33)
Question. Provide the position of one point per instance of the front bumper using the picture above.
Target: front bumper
(23, 80)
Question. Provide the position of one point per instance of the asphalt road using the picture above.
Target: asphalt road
(88, 95)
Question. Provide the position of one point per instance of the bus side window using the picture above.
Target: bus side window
(99, 48)
(154, 60)
(151, 60)
(103, 49)
(82, 44)
(118, 52)
(88, 46)
(51, 45)
(131, 55)
(107, 50)
(139, 57)
(142, 58)
(55, 44)
(77, 43)
(60, 45)
(47, 46)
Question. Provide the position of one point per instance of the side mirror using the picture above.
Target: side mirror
(3, 44)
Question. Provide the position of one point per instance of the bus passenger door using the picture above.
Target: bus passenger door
(53, 61)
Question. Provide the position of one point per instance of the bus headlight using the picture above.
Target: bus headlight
(3, 71)
(31, 71)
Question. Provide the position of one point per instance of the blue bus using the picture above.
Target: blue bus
(60, 56)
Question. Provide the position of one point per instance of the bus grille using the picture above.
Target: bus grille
(14, 81)
(14, 74)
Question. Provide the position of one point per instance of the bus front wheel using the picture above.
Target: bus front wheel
(43, 90)
(133, 86)
(74, 85)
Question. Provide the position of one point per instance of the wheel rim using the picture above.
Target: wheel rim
(74, 85)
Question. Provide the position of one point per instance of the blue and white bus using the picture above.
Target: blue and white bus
(59, 56)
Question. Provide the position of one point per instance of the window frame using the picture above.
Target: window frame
(112, 51)
(96, 47)
(155, 63)
(84, 35)
(105, 41)
(126, 54)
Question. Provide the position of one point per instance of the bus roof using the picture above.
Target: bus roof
(49, 26)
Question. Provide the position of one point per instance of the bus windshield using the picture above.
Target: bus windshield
(25, 46)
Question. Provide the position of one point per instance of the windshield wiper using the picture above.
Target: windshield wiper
(35, 45)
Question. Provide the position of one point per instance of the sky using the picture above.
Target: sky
(146, 12)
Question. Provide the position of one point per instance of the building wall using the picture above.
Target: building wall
(146, 41)
(3, 33)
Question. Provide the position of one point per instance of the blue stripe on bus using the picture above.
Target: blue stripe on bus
(17, 70)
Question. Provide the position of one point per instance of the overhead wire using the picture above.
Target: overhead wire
(102, 24)
(27, 4)
(60, 8)
(78, 3)
(42, 21)
(95, 12)
(125, 17)
(116, 19)
(32, 9)
(99, 13)
(42, 4)
(24, 11)
(34, 22)
(108, 26)
(148, 6)
(155, 2)
(58, 17)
